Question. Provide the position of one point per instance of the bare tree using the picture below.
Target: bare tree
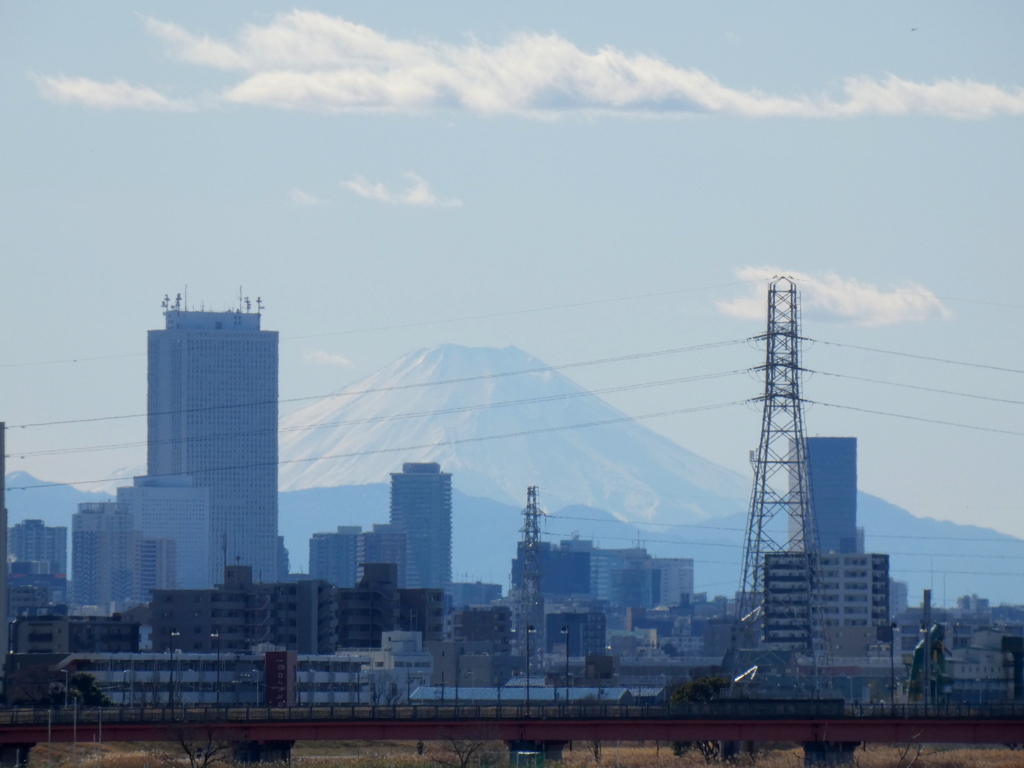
(202, 746)
(458, 753)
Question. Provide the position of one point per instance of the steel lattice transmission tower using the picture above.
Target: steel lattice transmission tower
(785, 598)
(530, 608)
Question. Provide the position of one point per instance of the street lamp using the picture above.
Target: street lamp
(216, 637)
(565, 631)
(65, 686)
(170, 691)
(892, 666)
(529, 631)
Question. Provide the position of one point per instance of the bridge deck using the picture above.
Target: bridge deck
(754, 721)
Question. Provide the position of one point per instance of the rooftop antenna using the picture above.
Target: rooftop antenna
(259, 304)
(166, 302)
(177, 302)
(248, 304)
(240, 300)
(186, 297)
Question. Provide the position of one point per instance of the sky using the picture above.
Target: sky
(582, 181)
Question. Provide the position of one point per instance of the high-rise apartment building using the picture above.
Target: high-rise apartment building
(421, 504)
(173, 508)
(34, 541)
(104, 556)
(334, 557)
(213, 416)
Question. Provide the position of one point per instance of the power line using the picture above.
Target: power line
(397, 387)
(917, 387)
(422, 323)
(916, 418)
(917, 357)
(457, 441)
(389, 417)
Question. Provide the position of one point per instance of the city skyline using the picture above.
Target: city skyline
(369, 229)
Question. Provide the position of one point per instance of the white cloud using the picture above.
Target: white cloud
(313, 61)
(298, 197)
(116, 95)
(417, 192)
(831, 297)
(320, 357)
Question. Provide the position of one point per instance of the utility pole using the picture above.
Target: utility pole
(781, 527)
(4, 627)
(926, 683)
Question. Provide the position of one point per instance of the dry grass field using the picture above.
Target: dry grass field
(405, 755)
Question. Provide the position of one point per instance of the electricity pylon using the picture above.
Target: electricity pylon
(781, 539)
(530, 608)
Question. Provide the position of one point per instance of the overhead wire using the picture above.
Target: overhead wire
(388, 417)
(395, 387)
(434, 444)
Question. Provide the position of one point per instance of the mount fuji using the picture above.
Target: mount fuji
(500, 420)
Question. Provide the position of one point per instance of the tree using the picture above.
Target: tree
(701, 690)
(202, 746)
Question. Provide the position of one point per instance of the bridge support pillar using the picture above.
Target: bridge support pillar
(263, 751)
(829, 752)
(523, 753)
(14, 755)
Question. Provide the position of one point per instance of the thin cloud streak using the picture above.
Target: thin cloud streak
(116, 95)
(306, 60)
(418, 192)
(320, 357)
(841, 299)
(298, 197)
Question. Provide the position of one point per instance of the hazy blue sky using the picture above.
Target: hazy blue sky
(361, 166)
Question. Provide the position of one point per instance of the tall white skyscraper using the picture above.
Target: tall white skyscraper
(213, 416)
(172, 508)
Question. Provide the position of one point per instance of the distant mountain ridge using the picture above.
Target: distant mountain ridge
(949, 558)
(447, 403)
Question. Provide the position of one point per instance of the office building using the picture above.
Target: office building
(421, 504)
(384, 544)
(832, 466)
(334, 557)
(376, 605)
(34, 541)
(173, 508)
(491, 626)
(212, 405)
(105, 549)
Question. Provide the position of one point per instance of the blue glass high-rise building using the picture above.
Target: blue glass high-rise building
(213, 416)
(832, 463)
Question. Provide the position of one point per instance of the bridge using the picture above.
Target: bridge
(267, 733)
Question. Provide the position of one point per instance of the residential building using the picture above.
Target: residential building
(158, 566)
(74, 634)
(105, 549)
(376, 605)
(334, 557)
(421, 504)
(491, 625)
(473, 593)
(212, 405)
(34, 541)
(384, 544)
(174, 508)
(585, 636)
(239, 614)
